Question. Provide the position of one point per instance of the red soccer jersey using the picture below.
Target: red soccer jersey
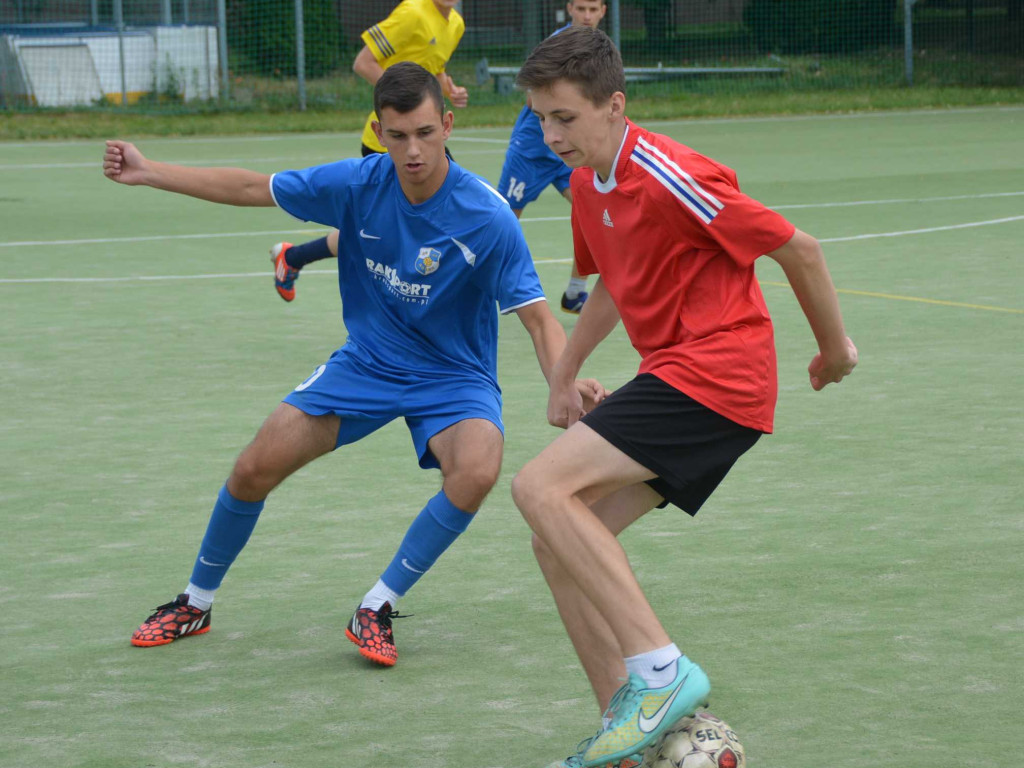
(674, 241)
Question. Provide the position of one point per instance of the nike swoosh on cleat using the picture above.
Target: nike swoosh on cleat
(405, 563)
(362, 234)
(648, 724)
(204, 561)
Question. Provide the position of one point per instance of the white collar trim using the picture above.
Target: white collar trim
(604, 187)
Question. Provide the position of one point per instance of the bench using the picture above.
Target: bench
(505, 77)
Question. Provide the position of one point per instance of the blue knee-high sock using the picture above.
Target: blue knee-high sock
(230, 526)
(436, 526)
(299, 256)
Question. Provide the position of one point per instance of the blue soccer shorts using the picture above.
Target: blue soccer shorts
(366, 400)
(524, 178)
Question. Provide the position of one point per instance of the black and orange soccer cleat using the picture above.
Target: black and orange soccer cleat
(171, 621)
(371, 631)
(284, 275)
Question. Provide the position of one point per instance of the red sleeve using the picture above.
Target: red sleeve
(584, 260)
(708, 209)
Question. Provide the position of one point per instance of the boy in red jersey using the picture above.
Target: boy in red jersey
(673, 241)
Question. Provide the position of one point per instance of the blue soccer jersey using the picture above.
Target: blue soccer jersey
(419, 283)
(527, 136)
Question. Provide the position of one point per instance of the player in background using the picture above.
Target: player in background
(426, 32)
(673, 241)
(428, 249)
(530, 166)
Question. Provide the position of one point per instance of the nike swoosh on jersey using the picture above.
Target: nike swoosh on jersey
(648, 724)
(362, 234)
(467, 254)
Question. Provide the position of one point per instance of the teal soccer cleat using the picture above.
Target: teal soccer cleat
(575, 761)
(640, 715)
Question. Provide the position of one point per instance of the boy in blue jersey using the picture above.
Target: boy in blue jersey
(424, 31)
(530, 166)
(427, 246)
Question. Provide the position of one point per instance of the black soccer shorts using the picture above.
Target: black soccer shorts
(687, 445)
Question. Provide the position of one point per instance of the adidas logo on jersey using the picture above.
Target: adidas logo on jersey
(607, 219)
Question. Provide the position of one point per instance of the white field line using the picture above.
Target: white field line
(141, 278)
(150, 238)
(295, 137)
(846, 116)
(158, 278)
(478, 139)
(98, 163)
(248, 161)
(980, 196)
(927, 230)
(527, 220)
(204, 236)
(880, 114)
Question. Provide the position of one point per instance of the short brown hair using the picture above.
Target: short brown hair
(405, 86)
(580, 55)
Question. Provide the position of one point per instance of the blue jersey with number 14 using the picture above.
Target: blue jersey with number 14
(527, 136)
(419, 283)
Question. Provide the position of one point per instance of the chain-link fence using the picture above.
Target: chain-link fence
(192, 54)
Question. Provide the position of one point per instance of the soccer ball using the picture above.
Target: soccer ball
(701, 741)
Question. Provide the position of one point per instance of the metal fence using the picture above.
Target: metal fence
(194, 54)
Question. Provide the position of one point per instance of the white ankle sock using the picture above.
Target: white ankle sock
(380, 594)
(656, 667)
(576, 286)
(200, 598)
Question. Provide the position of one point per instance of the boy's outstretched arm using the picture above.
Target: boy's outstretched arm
(123, 163)
(804, 264)
(548, 338)
(598, 318)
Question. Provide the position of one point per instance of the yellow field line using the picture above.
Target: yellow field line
(872, 294)
(919, 300)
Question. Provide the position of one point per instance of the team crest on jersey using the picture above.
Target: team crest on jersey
(428, 261)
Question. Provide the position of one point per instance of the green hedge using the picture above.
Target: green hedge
(261, 37)
(820, 26)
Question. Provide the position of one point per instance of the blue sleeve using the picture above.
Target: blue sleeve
(315, 194)
(509, 271)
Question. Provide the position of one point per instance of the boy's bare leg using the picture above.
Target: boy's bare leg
(551, 491)
(288, 440)
(469, 453)
(598, 650)
(332, 241)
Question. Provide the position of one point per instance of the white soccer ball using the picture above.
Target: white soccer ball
(701, 741)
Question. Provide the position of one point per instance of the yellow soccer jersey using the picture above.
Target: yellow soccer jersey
(415, 31)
